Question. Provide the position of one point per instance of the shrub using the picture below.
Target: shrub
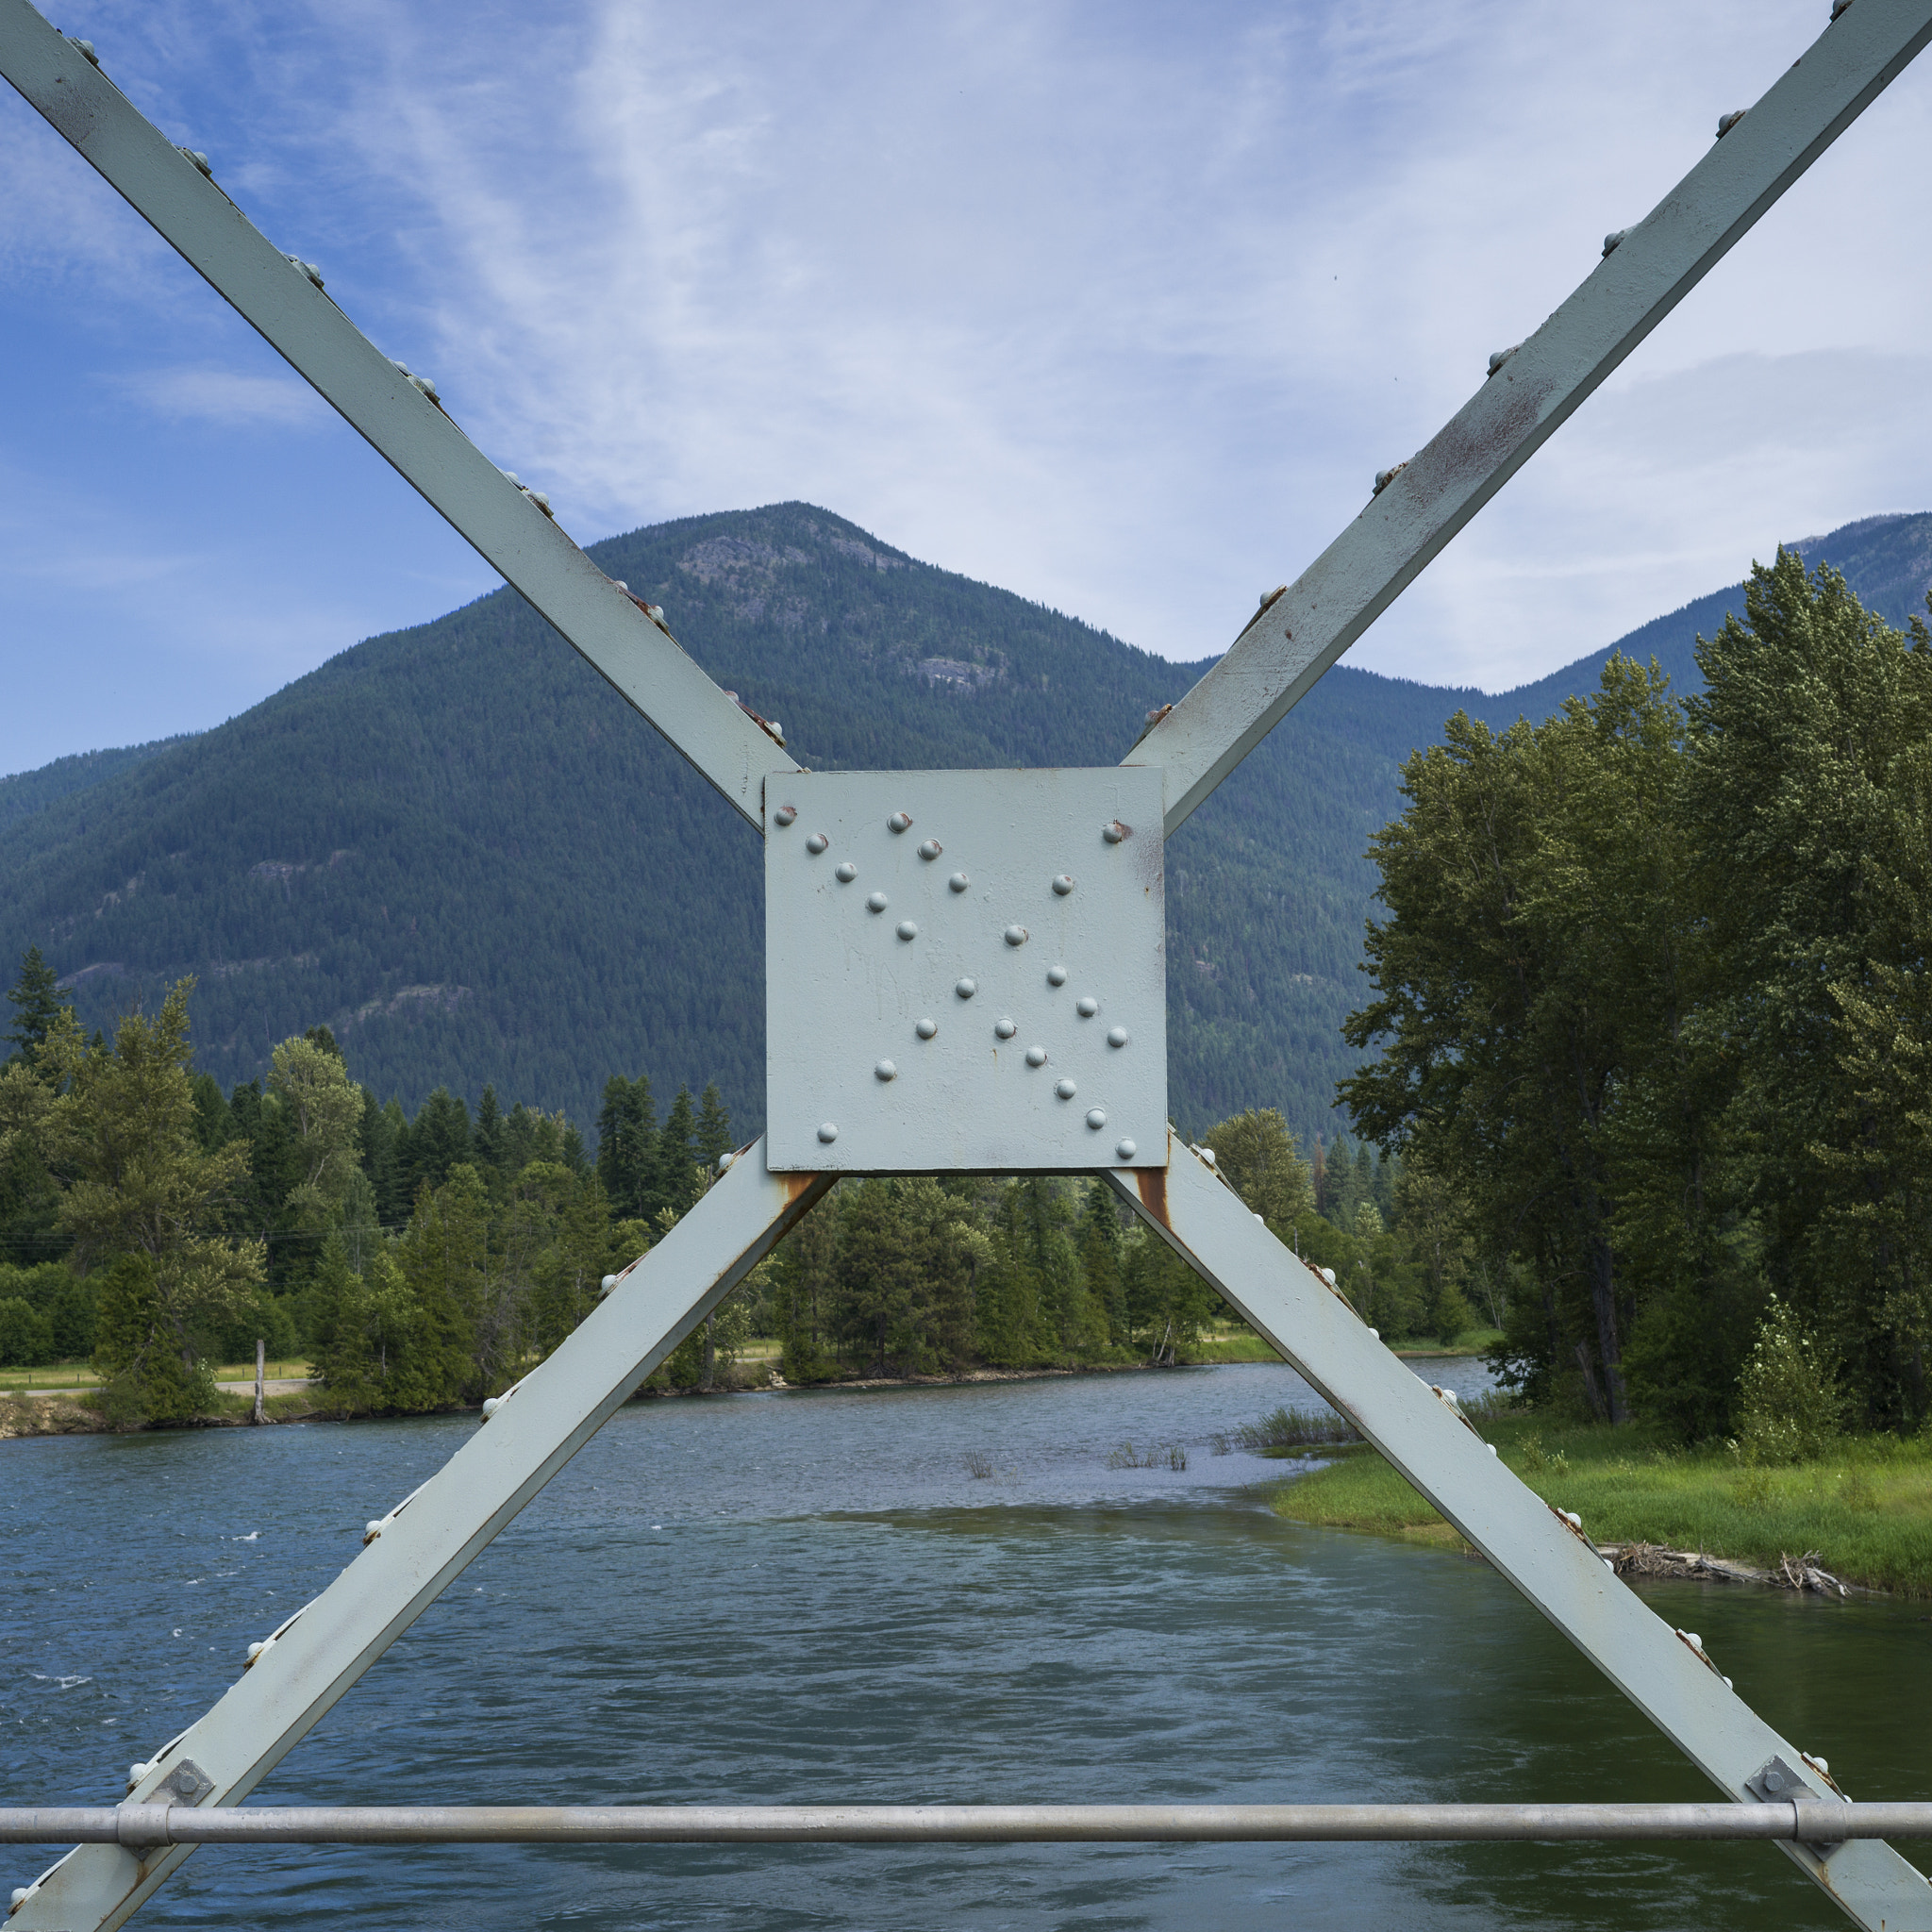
(1789, 1405)
(26, 1338)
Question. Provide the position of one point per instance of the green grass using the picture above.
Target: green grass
(80, 1375)
(1866, 1508)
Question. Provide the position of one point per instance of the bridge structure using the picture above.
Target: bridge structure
(966, 971)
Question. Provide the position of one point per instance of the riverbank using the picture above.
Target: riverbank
(1863, 1514)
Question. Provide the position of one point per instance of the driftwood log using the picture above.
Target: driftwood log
(1652, 1559)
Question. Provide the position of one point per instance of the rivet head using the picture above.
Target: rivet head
(1086, 1006)
(885, 1071)
(875, 902)
(786, 813)
(1005, 1029)
(958, 882)
(1065, 1089)
(1055, 975)
(908, 931)
(827, 1133)
(966, 988)
(1016, 935)
(1113, 831)
(1116, 1036)
(847, 873)
(900, 822)
(1096, 1117)
(926, 1029)
(817, 844)
(931, 849)
(1035, 1055)
(1064, 884)
(1125, 1149)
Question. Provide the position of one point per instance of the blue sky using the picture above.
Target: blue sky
(1118, 306)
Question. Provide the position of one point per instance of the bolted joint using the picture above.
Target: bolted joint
(1501, 357)
(1614, 240)
(1385, 477)
(200, 160)
(1726, 122)
(85, 50)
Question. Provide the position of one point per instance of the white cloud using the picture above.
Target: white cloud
(1119, 308)
(227, 397)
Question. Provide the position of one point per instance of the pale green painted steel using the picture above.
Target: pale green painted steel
(1550, 1560)
(1286, 647)
(426, 1540)
(304, 324)
(141, 1826)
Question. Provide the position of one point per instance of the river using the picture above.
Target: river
(809, 1596)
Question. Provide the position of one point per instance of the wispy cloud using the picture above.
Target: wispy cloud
(1121, 307)
(225, 397)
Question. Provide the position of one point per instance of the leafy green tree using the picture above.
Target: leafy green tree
(147, 1373)
(26, 1337)
(1788, 1401)
(37, 1008)
(120, 1130)
(1255, 1154)
(712, 1137)
(443, 1260)
(1809, 802)
(677, 1181)
(324, 1110)
(436, 1143)
(627, 1147)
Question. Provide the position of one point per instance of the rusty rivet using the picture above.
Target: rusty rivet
(926, 1029)
(930, 849)
(786, 813)
(1016, 935)
(1113, 831)
(1086, 1006)
(817, 844)
(900, 822)
(958, 882)
(1035, 1055)
(1063, 883)
(847, 873)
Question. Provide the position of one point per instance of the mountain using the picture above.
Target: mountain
(460, 849)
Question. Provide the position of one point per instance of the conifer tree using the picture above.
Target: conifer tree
(37, 1006)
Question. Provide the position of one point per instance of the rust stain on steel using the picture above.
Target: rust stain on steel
(1152, 1182)
(797, 1185)
(72, 117)
(1464, 452)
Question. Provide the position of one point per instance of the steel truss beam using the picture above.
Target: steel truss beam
(1538, 1549)
(1277, 658)
(413, 1553)
(278, 297)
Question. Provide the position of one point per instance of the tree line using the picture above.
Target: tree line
(1653, 1009)
(156, 1225)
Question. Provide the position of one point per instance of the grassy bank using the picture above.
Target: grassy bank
(1866, 1508)
(1233, 1344)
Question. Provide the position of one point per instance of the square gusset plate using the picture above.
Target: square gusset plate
(964, 970)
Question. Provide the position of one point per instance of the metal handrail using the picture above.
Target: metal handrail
(1820, 1823)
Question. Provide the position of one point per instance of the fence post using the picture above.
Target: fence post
(258, 1352)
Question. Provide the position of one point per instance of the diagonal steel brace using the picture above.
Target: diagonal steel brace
(1546, 1556)
(1526, 397)
(400, 417)
(415, 1552)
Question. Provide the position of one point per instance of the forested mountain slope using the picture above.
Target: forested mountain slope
(457, 847)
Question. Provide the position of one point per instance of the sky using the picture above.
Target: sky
(1117, 306)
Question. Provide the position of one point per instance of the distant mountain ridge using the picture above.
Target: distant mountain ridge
(458, 846)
